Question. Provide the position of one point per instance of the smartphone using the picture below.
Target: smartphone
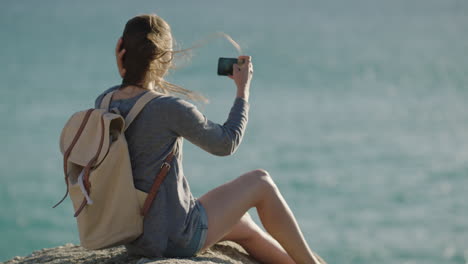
(225, 66)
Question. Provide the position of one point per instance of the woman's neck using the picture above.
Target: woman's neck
(128, 92)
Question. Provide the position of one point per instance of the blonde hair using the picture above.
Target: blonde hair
(149, 55)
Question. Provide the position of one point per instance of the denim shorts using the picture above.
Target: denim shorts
(198, 238)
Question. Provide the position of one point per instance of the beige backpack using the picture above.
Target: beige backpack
(108, 208)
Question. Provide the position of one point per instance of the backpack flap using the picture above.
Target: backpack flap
(93, 139)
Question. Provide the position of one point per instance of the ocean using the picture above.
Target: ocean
(358, 111)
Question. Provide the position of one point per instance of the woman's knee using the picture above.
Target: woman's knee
(260, 178)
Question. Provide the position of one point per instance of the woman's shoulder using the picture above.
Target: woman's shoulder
(170, 103)
(169, 107)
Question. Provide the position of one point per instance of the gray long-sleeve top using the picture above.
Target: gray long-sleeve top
(158, 129)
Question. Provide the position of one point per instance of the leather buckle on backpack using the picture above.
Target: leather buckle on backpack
(166, 164)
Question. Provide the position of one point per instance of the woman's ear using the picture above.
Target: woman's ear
(119, 55)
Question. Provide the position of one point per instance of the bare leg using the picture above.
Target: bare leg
(226, 204)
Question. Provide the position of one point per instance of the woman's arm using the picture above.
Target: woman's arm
(185, 120)
(217, 139)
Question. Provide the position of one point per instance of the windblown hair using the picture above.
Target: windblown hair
(149, 55)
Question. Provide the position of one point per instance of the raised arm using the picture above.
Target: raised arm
(217, 139)
(222, 140)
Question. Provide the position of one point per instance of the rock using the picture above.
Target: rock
(224, 252)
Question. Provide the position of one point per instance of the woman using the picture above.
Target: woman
(178, 225)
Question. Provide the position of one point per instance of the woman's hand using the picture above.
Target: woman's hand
(242, 75)
(119, 53)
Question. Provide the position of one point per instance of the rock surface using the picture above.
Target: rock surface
(225, 252)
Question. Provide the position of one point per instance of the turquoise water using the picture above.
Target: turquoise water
(358, 110)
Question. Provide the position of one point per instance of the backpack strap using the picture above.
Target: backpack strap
(66, 155)
(136, 109)
(87, 170)
(106, 101)
(165, 167)
(139, 105)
